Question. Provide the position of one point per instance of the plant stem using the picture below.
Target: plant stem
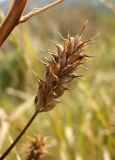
(11, 19)
(19, 136)
(37, 11)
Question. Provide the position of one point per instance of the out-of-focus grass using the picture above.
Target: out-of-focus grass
(82, 126)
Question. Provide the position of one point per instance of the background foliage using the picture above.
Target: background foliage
(82, 126)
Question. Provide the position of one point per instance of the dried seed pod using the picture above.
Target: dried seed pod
(60, 70)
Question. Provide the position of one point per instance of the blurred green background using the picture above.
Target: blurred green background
(82, 126)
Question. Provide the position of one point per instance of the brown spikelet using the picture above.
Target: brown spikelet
(35, 149)
(60, 70)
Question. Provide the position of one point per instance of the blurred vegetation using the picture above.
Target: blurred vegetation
(82, 126)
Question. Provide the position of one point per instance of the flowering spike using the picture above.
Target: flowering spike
(60, 70)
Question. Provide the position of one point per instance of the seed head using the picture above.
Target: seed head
(60, 70)
(36, 148)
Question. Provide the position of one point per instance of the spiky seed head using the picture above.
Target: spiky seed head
(60, 70)
(35, 149)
